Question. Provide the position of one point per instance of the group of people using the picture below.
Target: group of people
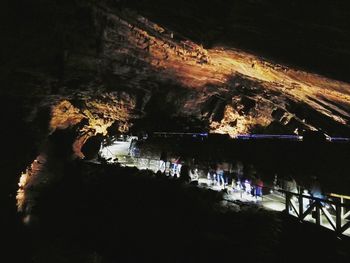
(248, 182)
(289, 184)
(252, 187)
(313, 189)
(223, 176)
(220, 177)
(173, 168)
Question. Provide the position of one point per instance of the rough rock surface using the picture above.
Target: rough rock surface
(116, 54)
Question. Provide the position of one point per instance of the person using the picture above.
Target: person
(275, 183)
(178, 168)
(211, 176)
(247, 186)
(171, 169)
(175, 165)
(159, 173)
(306, 201)
(239, 171)
(239, 185)
(220, 176)
(226, 177)
(291, 185)
(315, 189)
(233, 183)
(163, 161)
(226, 170)
(253, 186)
(194, 174)
(185, 174)
(258, 187)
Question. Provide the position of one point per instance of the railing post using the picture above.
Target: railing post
(301, 206)
(318, 212)
(287, 201)
(338, 218)
(342, 208)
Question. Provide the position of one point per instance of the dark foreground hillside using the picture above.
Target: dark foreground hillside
(105, 213)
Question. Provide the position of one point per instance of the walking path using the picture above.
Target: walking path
(328, 213)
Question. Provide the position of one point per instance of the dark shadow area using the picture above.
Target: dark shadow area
(103, 213)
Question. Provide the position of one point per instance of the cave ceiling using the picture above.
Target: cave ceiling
(132, 64)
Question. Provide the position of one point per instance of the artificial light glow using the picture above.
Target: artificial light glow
(27, 179)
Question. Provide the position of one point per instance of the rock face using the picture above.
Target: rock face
(121, 57)
(312, 34)
(93, 65)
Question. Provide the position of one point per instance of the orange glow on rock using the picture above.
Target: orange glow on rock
(100, 114)
(64, 115)
(193, 67)
(27, 180)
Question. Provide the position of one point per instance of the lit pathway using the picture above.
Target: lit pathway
(119, 149)
(272, 201)
(275, 200)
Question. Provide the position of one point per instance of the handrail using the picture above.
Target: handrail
(315, 198)
(340, 196)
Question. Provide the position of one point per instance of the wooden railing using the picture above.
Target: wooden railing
(335, 213)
